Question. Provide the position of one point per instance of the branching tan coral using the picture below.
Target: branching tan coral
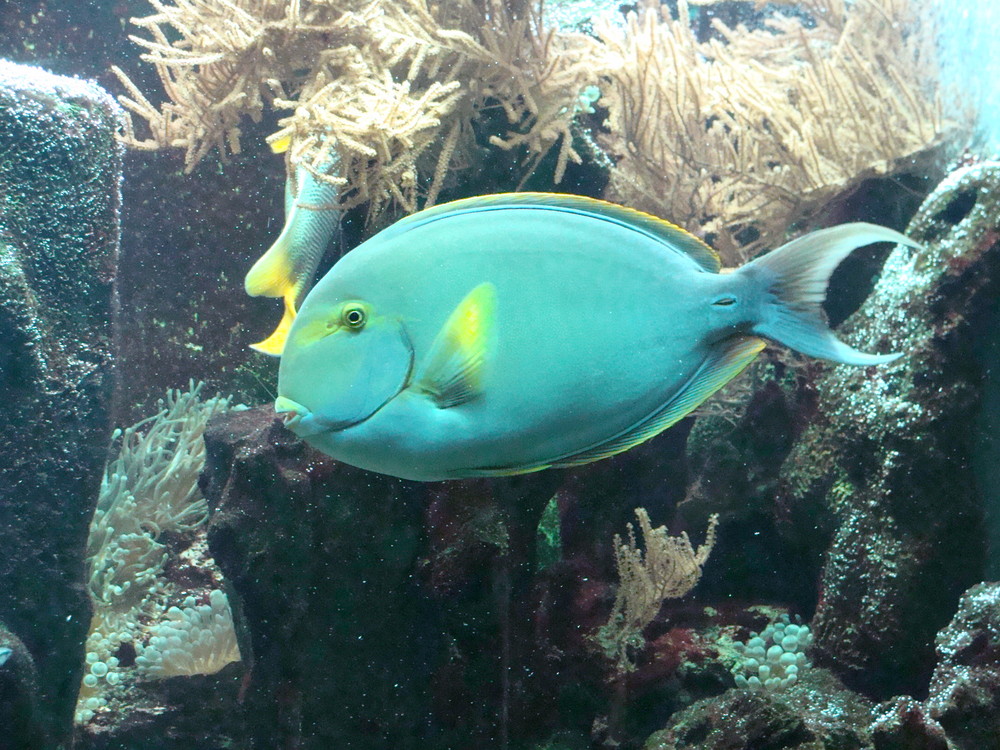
(667, 569)
(736, 137)
(742, 135)
(378, 87)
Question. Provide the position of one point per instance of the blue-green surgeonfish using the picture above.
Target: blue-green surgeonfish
(511, 333)
(287, 268)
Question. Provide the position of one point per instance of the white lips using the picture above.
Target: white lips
(291, 412)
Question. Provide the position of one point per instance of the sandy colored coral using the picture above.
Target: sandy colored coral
(668, 568)
(738, 137)
(379, 84)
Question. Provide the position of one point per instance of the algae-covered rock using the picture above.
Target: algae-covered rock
(817, 713)
(60, 170)
(965, 690)
(881, 476)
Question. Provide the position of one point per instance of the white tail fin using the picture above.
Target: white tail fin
(796, 276)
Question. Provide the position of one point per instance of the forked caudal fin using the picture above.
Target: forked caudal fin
(796, 275)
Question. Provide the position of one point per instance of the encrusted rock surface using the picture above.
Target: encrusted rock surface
(880, 477)
(817, 713)
(965, 690)
(60, 170)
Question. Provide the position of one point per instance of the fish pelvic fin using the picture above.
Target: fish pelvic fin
(274, 344)
(795, 278)
(454, 369)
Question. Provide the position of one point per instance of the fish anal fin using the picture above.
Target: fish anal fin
(724, 363)
(274, 344)
(454, 369)
(273, 275)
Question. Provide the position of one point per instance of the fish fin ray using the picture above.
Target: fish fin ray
(455, 364)
(798, 274)
(660, 229)
(721, 366)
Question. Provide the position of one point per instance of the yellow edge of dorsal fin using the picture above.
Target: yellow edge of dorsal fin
(274, 344)
(661, 229)
(454, 369)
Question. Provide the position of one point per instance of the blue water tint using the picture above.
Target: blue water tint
(970, 62)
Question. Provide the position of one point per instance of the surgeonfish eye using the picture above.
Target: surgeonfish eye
(354, 316)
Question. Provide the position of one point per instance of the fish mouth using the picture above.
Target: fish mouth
(300, 420)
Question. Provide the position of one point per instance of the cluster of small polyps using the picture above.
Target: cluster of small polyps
(96, 669)
(198, 639)
(773, 658)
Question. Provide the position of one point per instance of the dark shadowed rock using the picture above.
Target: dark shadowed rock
(904, 724)
(18, 696)
(358, 630)
(965, 690)
(817, 713)
(60, 170)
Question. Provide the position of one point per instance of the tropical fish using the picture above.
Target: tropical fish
(511, 333)
(288, 266)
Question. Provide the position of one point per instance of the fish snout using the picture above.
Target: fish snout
(298, 418)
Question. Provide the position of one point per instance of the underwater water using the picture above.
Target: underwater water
(517, 375)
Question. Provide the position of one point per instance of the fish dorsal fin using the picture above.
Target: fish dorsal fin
(724, 363)
(653, 226)
(453, 371)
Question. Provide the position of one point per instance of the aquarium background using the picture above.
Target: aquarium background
(204, 580)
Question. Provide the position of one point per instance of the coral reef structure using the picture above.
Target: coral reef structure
(881, 467)
(737, 136)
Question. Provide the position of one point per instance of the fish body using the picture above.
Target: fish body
(508, 334)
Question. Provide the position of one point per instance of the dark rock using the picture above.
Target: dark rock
(881, 474)
(965, 690)
(60, 170)
(903, 724)
(177, 713)
(817, 713)
(360, 631)
(18, 696)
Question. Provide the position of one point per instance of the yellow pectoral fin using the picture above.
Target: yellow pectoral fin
(454, 370)
(274, 344)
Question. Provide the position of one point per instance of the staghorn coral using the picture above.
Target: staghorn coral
(375, 86)
(742, 135)
(668, 569)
